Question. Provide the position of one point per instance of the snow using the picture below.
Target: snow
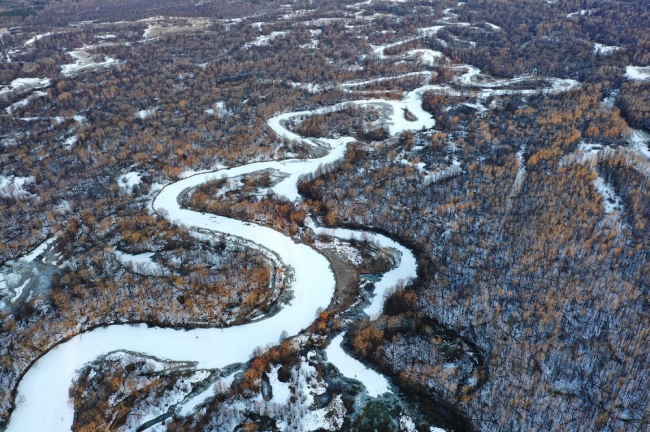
(27, 258)
(429, 57)
(403, 271)
(281, 390)
(143, 114)
(13, 186)
(328, 418)
(8, 142)
(214, 390)
(452, 170)
(314, 40)
(21, 85)
(46, 392)
(130, 179)
(153, 407)
(375, 384)
(406, 424)
(637, 73)
(157, 29)
(344, 250)
(84, 62)
(313, 286)
(291, 404)
(583, 12)
(382, 79)
(23, 103)
(378, 50)
(148, 408)
(310, 87)
(611, 201)
(57, 119)
(639, 141)
(586, 153)
(519, 177)
(19, 290)
(604, 49)
(70, 141)
(303, 385)
(31, 41)
(494, 27)
(38, 250)
(266, 39)
(219, 109)
(321, 22)
(141, 263)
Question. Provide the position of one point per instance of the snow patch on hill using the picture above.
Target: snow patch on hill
(637, 73)
(21, 85)
(605, 49)
(130, 179)
(266, 39)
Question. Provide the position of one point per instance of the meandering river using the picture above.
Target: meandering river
(43, 391)
(43, 402)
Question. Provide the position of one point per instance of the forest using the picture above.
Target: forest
(526, 206)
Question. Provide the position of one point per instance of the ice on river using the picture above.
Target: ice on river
(402, 272)
(375, 384)
(46, 392)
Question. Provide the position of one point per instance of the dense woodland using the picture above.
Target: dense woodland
(511, 265)
(531, 280)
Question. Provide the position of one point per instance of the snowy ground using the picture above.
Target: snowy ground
(140, 263)
(23, 103)
(83, 61)
(605, 49)
(519, 178)
(637, 73)
(344, 250)
(145, 113)
(222, 385)
(405, 270)
(639, 142)
(611, 201)
(266, 39)
(14, 186)
(21, 85)
(130, 179)
(302, 387)
(157, 27)
(312, 288)
(13, 279)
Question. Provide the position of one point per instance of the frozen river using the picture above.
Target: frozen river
(43, 403)
(43, 391)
